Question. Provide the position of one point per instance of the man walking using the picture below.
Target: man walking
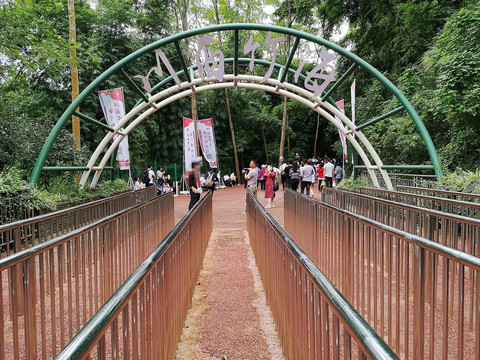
(286, 173)
(148, 177)
(329, 171)
(338, 174)
(252, 176)
(194, 185)
(306, 174)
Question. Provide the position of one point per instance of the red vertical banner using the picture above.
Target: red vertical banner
(189, 143)
(206, 138)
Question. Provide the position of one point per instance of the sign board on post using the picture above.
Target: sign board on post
(113, 106)
(189, 143)
(207, 141)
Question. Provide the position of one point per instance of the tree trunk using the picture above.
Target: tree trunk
(265, 144)
(232, 131)
(288, 138)
(282, 137)
(72, 39)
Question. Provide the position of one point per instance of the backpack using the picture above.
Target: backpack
(145, 177)
(275, 184)
(209, 182)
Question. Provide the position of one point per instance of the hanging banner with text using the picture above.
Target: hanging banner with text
(113, 106)
(207, 141)
(341, 106)
(189, 143)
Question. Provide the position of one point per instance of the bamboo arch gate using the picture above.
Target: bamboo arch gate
(164, 93)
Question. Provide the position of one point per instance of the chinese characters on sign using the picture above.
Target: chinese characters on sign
(212, 64)
(207, 141)
(189, 143)
(113, 107)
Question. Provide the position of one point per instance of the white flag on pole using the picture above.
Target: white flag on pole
(343, 139)
(113, 106)
(189, 143)
(206, 138)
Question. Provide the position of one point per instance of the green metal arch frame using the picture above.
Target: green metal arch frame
(236, 27)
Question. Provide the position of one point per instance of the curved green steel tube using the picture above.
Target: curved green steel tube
(214, 28)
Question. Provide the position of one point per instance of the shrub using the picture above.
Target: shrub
(461, 180)
(352, 185)
(16, 193)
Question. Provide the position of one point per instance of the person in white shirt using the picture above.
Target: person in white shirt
(329, 172)
(150, 178)
(226, 179)
(306, 173)
(233, 179)
(202, 179)
(160, 173)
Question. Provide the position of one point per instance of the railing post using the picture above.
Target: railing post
(349, 257)
(29, 318)
(17, 275)
(419, 277)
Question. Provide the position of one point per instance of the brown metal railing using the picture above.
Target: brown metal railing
(412, 291)
(144, 318)
(402, 179)
(22, 234)
(313, 320)
(10, 210)
(459, 232)
(454, 195)
(457, 207)
(50, 290)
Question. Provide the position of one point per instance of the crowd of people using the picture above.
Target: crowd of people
(295, 175)
(306, 173)
(160, 180)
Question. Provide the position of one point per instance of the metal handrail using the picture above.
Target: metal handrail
(373, 343)
(418, 209)
(439, 249)
(437, 191)
(53, 214)
(21, 234)
(54, 287)
(414, 291)
(422, 197)
(24, 254)
(86, 338)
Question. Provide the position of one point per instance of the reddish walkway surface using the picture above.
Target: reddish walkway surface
(229, 318)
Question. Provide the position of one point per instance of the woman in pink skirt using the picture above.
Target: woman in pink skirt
(269, 193)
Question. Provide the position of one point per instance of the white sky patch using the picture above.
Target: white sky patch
(340, 33)
(269, 9)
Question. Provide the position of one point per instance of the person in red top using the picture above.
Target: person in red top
(321, 176)
(269, 193)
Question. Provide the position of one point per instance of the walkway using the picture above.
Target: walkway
(229, 318)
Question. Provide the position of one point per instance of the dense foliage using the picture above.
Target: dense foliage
(429, 49)
(17, 193)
